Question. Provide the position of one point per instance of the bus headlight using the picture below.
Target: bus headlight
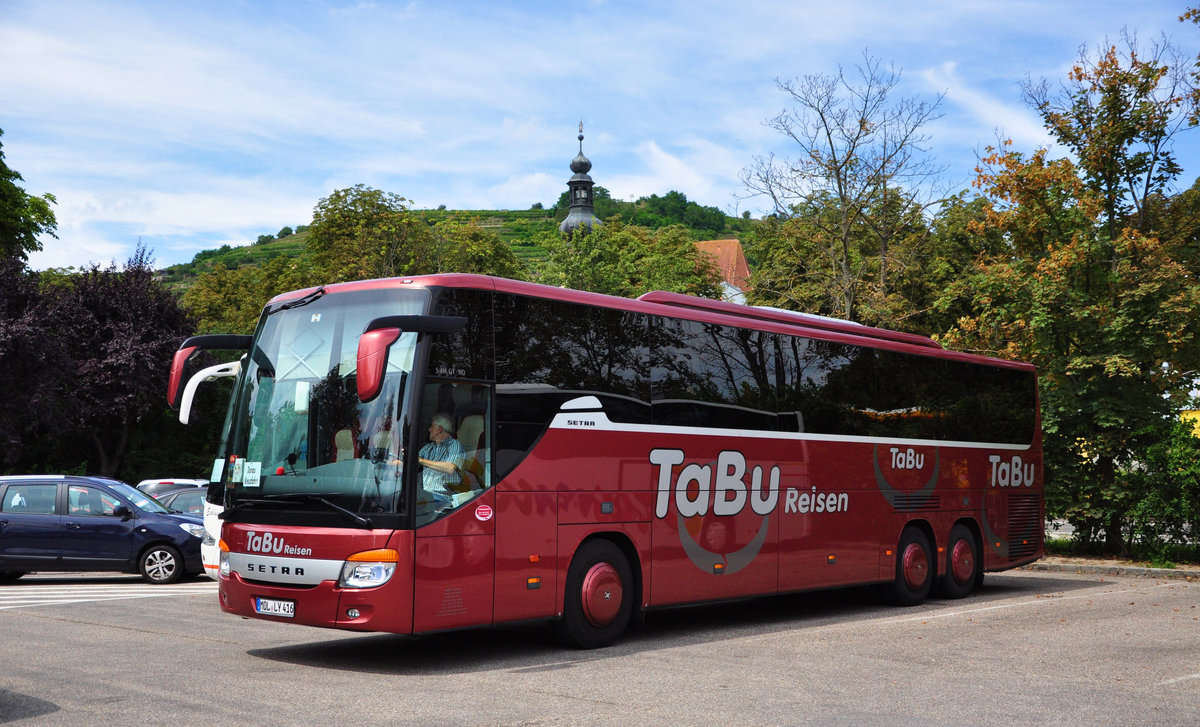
(224, 569)
(369, 569)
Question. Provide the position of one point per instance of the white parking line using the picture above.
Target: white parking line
(32, 596)
(1176, 680)
(1022, 602)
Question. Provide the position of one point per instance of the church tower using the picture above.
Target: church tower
(581, 212)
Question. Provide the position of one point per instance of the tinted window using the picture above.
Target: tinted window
(466, 353)
(191, 502)
(833, 388)
(707, 375)
(83, 500)
(549, 352)
(32, 499)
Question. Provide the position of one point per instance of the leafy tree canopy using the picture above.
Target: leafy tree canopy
(629, 260)
(673, 208)
(23, 217)
(1086, 287)
(858, 185)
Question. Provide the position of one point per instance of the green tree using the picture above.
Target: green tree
(800, 265)
(1168, 481)
(460, 247)
(954, 245)
(122, 328)
(860, 155)
(1118, 113)
(22, 216)
(1086, 289)
(628, 260)
(229, 300)
(361, 233)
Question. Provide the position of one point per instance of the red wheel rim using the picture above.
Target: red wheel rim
(915, 565)
(601, 594)
(962, 561)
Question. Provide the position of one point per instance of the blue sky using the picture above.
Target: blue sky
(189, 125)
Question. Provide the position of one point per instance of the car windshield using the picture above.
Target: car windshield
(137, 497)
(300, 435)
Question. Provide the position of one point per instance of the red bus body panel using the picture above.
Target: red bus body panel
(812, 511)
(387, 608)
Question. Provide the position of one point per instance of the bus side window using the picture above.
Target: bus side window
(461, 412)
(473, 420)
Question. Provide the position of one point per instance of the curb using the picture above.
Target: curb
(1082, 568)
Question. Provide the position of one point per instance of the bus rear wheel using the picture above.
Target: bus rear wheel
(598, 600)
(915, 569)
(962, 564)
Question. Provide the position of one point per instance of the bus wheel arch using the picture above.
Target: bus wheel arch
(916, 567)
(964, 561)
(600, 593)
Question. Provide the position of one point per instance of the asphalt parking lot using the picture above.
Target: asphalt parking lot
(1033, 647)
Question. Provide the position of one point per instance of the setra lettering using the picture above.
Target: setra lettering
(282, 570)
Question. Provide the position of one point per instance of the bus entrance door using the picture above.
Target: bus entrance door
(455, 567)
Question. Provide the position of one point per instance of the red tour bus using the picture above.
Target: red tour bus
(421, 454)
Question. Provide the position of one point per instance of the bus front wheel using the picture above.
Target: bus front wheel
(598, 600)
(915, 569)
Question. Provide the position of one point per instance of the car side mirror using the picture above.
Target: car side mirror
(123, 512)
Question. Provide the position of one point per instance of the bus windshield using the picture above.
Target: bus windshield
(300, 435)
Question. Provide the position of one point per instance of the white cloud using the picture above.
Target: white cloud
(520, 192)
(1011, 119)
(192, 125)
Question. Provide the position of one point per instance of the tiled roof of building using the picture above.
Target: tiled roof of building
(730, 260)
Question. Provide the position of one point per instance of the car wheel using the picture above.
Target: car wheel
(161, 564)
(8, 576)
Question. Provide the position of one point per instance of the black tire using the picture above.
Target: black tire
(915, 569)
(598, 600)
(8, 576)
(963, 564)
(160, 564)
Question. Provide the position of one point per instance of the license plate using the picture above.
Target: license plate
(275, 607)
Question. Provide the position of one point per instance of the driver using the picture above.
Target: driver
(441, 458)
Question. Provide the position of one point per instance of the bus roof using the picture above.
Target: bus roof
(785, 316)
(678, 305)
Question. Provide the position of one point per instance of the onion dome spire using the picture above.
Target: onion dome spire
(581, 211)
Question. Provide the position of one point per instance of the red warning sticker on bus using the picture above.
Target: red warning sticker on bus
(483, 513)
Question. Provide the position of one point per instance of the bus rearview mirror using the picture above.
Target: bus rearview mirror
(380, 334)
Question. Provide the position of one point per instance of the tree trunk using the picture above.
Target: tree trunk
(1114, 544)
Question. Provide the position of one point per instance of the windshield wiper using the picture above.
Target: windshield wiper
(288, 305)
(334, 506)
(296, 498)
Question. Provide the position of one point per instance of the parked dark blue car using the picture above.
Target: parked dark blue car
(69, 523)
